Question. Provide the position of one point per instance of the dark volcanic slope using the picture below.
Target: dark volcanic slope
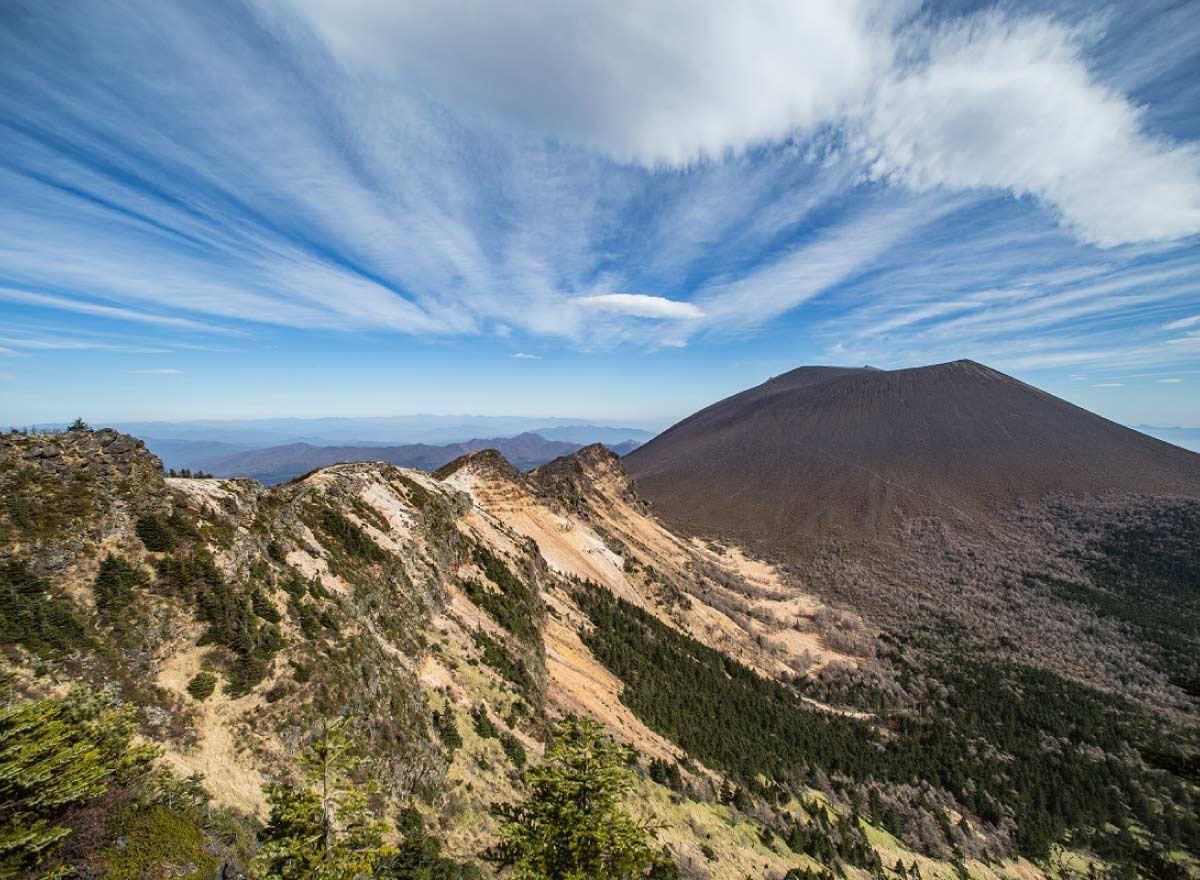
(840, 451)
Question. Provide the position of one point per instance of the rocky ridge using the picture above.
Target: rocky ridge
(451, 616)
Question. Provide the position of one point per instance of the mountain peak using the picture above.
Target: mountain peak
(853, 452)
(572, 478)
(102, 453)
(485, 462)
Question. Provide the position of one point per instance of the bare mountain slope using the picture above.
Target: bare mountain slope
(452, 617)
(826, 451)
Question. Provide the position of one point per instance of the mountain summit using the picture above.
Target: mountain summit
(822, 451)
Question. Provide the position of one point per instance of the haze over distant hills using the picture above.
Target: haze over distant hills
(197, 443)
(419, 428)
(971, 641)
(276, 464)
(824, 451)
(1188, 438)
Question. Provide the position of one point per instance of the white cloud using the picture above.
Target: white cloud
(520, 355)
(830, 259)
(639, 305)
(652, 82)
(996, 100)
(166, 371)
(1010, 104)
(1109, 385)
(1183, 322)
(49, 342)
(341, 198)
(104, 311)
(1169, 381)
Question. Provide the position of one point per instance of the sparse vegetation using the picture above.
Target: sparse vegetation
(511, 604)
(156, 533)
(115, 589)
(202, 685)
(573, 824)
(32, 616)
(352, 538)
(498, 658)
(726, 715)
(228, 610)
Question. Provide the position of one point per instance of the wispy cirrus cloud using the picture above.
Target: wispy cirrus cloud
(893, 181)
(640, 305)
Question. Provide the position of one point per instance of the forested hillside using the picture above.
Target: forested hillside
(195, 670)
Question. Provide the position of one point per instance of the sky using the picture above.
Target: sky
(614, 211)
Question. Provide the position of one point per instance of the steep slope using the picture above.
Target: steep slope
(588, 523)
(852, 453)
(279, 463)
(363, 590)
(453, 617)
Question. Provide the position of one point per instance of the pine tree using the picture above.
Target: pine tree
(55, 754)
(572, 825)
(114, 589)
(326, 829)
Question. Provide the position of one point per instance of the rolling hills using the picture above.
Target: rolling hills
(276, 464)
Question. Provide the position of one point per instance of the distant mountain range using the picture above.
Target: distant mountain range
(1188, 438)
(338, 430)
(197, 443)
(276, 464)
(930, 617)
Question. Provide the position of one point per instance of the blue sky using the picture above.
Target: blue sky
(364, 208)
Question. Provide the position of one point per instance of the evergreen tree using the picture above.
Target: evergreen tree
(324, 830)
(114, 589)
(419, 855)
(54, 755)
(572, 825)
(446, 727)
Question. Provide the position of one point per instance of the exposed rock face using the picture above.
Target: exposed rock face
(335, 578)
(100, 453)
(569, 480)
(487, 462)
(458, 607)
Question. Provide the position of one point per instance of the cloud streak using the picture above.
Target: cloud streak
(640, 305)
(897, 180)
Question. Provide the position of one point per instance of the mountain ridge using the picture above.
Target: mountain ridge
(787, 720)
(279, 463)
